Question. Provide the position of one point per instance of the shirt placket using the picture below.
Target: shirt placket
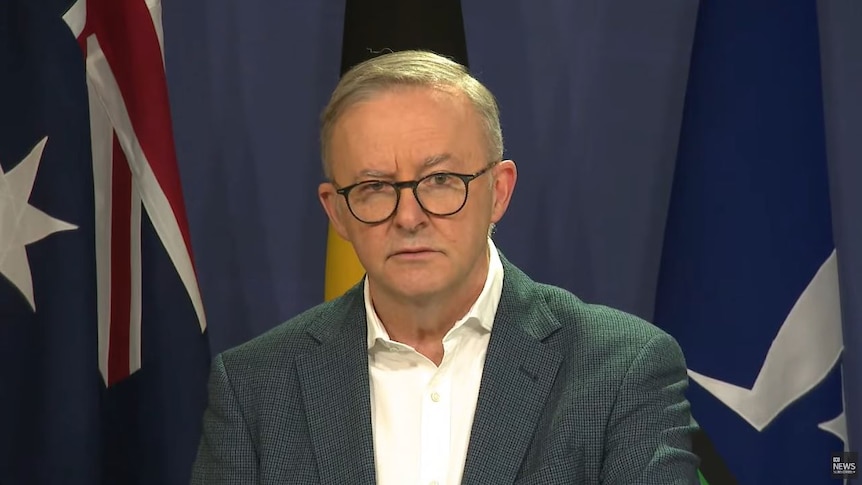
(436, 423)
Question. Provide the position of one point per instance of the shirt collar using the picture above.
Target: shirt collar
(482, 311)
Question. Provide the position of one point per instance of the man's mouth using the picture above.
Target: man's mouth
(414, 252)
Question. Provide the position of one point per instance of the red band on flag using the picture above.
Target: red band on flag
(121, 269)
(128, 38)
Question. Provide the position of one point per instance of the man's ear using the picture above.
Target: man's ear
(335, 210)
(505, 176)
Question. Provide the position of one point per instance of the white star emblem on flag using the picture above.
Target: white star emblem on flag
(21, 223)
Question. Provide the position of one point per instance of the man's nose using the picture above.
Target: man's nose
(409, 213)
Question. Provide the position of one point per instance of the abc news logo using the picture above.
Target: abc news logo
(845, 465)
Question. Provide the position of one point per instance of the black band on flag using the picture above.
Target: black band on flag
(712, 466)
(374, 27)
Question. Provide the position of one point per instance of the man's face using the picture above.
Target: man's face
(405, 134)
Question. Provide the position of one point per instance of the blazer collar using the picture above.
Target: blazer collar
(335, 388)
(519, 373)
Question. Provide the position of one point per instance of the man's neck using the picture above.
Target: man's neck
(423, 324)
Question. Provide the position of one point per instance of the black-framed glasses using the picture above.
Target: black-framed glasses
(440, 194)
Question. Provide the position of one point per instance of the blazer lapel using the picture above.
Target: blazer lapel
(518, 375)
(334, 382)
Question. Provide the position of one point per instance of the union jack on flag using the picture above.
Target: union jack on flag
(134, 166)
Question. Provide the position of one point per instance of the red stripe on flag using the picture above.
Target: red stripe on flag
(121, 267)
(128, 38)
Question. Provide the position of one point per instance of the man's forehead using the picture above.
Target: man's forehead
(387, 140)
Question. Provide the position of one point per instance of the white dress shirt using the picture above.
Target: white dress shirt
(421, 413)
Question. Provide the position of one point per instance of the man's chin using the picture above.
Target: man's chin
(415, 288)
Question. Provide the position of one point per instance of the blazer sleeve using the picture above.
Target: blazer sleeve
(650, 429)
(226, 453)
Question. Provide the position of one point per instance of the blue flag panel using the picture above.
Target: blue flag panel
(748, 279)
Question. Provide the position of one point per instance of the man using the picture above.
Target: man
(447, 364)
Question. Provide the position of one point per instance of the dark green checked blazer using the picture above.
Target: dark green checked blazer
(571, 393)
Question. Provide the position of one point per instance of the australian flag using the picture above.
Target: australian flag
(103, 350)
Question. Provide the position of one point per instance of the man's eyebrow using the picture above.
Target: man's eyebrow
(371, 173)
(436, 160)
(429, 162)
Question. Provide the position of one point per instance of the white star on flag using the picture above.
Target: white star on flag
(21, 223)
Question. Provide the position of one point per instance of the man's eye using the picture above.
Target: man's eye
(441, 179)
(371, 187)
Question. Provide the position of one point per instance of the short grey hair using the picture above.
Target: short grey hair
(410, 68)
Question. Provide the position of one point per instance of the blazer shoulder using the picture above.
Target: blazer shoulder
(599, 325)
(294, 337)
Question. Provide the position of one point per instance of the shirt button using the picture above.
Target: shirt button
(433, 482)
(393, 349)
(436, 398)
